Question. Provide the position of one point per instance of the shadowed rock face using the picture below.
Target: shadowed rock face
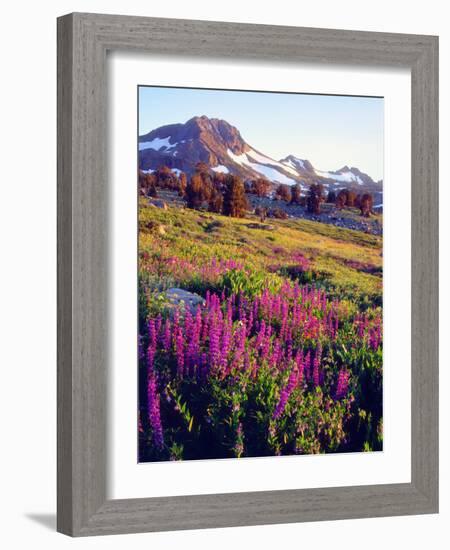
(221, 146)
(218, 133)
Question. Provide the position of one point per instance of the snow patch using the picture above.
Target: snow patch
(221, 168)
(348, 177)
(156, 144)
(271, 173)
(262, 159)
(298, 163)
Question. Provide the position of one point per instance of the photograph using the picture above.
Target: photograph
(260, 273)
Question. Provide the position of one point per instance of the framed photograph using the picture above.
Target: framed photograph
(247, 274)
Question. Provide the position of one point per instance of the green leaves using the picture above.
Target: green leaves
(250, 283)
(190, 424)
(182, 408)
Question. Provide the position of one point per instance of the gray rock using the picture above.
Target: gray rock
(177, 297)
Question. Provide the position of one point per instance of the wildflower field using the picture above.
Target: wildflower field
(279, 352)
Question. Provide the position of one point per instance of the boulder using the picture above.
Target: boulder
(177, 297)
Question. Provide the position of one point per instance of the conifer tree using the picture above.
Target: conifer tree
(315, 198)
(283, 192)
(194, 192)
(331, 198)
(234, 200)
(296, 193)
(366, 205)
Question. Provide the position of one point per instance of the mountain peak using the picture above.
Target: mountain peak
(218, 132)
(344, 169)
(301, 165)
(182, 146)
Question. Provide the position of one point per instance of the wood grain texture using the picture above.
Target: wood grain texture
(83, 206)
(425, 265)
(64, 251)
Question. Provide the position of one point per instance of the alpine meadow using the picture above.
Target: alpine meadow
(260, 274)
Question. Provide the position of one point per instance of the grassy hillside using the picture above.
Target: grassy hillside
(345, 262)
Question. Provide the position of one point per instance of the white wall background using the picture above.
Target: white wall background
(28, 271)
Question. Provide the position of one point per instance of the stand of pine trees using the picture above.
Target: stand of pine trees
(226, 193)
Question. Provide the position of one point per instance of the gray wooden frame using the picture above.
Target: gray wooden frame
(83, 41)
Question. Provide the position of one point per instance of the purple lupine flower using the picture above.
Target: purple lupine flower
(204, 366)
(158, 324)
(265, 347)
(154, 415)
(342, 384)
(307, 364)
(239, 345)
(198, 322)
(235, 332)
(250, 319)
(288, 350)
(316, 365)
(285, 394)
(261, 334)
(229, 313)
(152, 333)
(299, 361)
(375, 335)
(214, 341)
(188, 323)
(329, 323)
(284, 319)
(256, 304)
(247, 363)
(225, 346)
(179, 351)
(167, 336)
(276, 353)
(192, 353)
(204, 331)
(153, 402)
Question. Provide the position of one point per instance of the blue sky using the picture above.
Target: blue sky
(330, 131)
